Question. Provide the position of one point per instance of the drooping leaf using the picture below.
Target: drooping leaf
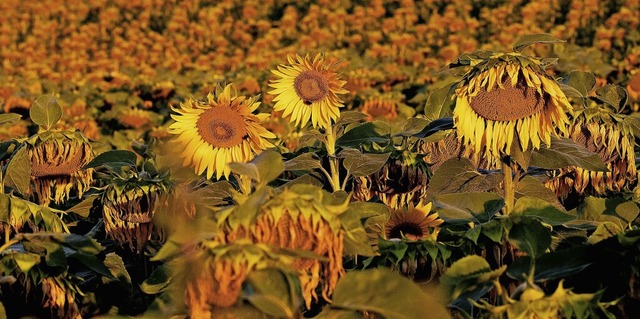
(271, 292)
(348, 117)
(356, 241)
(306, 161)
(613, 95)
(552, 265)
(9, 118)
(412, 126)
(439, 103)
(84, 207)
(26, 261)
(362, 164)
(603, 231)
(615, 209)
(158, 281)
(18, 173)
(385, 293)
(365, 133)
(526, 40)
(529, 235)
(435, 126)
(539, 208)
(116, 267)
(469, 278)
(533, 187)
(564, 152)
(461, 208)
(45, 111)
(582, 81)
(93, 263)
(459, 175)
(264, 168)
(113, 159)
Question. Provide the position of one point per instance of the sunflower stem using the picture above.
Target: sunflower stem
(333, 160)
(509, 187)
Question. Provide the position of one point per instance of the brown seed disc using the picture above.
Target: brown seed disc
(71, 166)
(311, 86)
(508, 104)
(221, 127)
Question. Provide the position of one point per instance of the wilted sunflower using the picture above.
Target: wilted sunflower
(303, 217)
(59, 296)
(506, 98)
(129, 205)
(308, 90)
(613, 141)
(57, 159)
(219, 131)
(413, 222)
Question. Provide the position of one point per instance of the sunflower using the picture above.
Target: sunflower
(60, 295)
(219, 131)
(136, 118)
(508, 98)
(57, 159)
(308, 90)
(129, 204)
(633, 87)
(413, 222)
(376, 108)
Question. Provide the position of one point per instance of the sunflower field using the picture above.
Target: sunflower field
(330, 159)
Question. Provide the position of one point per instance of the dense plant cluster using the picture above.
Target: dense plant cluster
(319, 159)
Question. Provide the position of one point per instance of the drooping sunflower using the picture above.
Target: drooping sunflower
(303, 217)
(129, 204)
(57, 159)
(413, 222)
(308, 89)
(608, 135)
(59, 295)
(219, 131)
(507, 98)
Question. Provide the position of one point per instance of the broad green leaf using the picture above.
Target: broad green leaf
(435, 126)
(306, 161)
(9, 118)
(356, 241)
(570, 91)
(552, 265)
(529, 235)
(603, 231)
(533, 187)
(264, 168)
(387, 294)
(26, 261)
(539, 208)
(18, 173)
(470, 277)
(45, 111)
(493, 229)
(474, 233)
(93, 263)
(613, 95)
(169, 250)
(412, 126)
(158, 281)
(362, 164)
(81, 243)
(84, 207)
(270, 291)
(116, 267)
(564, 152)
(439, 103)
(461, 208)
(365, 133)
(368, 209)
(349, 117)
(614, 209)
(304, 179)
(582, 81)
(526, 40)
(114, 159)
(459, 175)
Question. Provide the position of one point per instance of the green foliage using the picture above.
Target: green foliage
(462, 208)
(565, 152)
(18, 172)
(45, 111)
(526, 40)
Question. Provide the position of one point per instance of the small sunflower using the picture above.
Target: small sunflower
(380, 108)
(219, 131)
(413, 222)
(633, 87)
(136, 118)
(308, 89)
(508, 98)
(57, 159)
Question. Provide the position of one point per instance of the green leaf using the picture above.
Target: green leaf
(9, 118)
(264, 168)
(470, 277)
(114, 159)
(18, 173)
(349, 117)
(362, 164)
(459, 175)
(552, 265)
(529, 235)
(385, 293)
(493, 229)
(158, 281)
(565, 152)
(435, 126)
(613, 95)
(603, 231)
(526, 40)
(615, 209)
(582, 81)
(412, 126)
(370, 132)
(533, 187)
(539, 208)
(3, 313)
(116, 267)
(84, 207)
(271, 292)
(81, 243)
(93, 263)
(461, 208)
(439, 103)
(304, 162)
(570, 91)
(45, 111)
(26, 261)
(330, 313)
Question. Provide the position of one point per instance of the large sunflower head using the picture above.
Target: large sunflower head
(413, 222)
(308, 89)
(129, 204)
(218, 131)
(57, 159)
(507, 98)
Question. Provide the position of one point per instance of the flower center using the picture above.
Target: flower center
(47, 163)
(410, 230)
(509, 103)
(311, 86)
(222, 127)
